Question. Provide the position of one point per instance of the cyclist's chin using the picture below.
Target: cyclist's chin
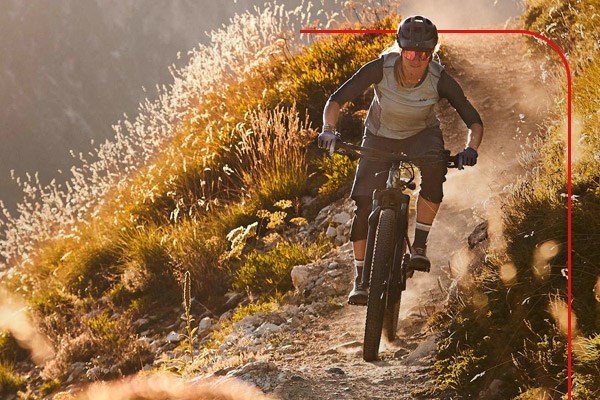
(416, 65)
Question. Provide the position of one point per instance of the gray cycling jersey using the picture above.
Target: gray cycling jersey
(398, 112)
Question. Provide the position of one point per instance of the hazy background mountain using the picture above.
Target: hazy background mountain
(71, 68)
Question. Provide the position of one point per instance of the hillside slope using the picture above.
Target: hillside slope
(472, 196)
(311, 348)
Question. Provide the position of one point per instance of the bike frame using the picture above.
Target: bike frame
(387, 244)
(392, 197)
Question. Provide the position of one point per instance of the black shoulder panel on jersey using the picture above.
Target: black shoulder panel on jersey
(449, 89)
(369, 74)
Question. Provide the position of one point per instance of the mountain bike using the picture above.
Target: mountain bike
(387, 257)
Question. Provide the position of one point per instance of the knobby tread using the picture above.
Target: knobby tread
(382, 252)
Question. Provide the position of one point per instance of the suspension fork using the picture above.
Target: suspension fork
(397, 281)
(373, 220)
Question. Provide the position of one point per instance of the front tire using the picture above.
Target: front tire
(383, 251)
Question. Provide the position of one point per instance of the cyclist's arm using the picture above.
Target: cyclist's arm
(475, 136)
(449, 89)
(367, 75)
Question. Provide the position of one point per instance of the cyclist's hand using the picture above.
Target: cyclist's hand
(326, 140)
(469, 156)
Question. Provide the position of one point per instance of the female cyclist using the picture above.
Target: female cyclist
(407, 85)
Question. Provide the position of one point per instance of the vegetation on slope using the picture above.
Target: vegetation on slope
(219, 151)
(510, 323)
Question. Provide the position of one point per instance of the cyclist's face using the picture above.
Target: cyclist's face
(418, 63)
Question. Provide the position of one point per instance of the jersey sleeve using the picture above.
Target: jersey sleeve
(449, 89)
(369, 74)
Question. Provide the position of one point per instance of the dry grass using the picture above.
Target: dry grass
(166, 387)
(225, 140)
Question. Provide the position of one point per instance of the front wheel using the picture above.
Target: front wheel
(383, 251)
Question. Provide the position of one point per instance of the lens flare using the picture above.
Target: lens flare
(480, 299)
(496, 229)
(459, 265)
(508, 274)
(560, 313)
(542, 255)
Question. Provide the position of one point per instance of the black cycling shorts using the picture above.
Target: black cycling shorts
(433, 173)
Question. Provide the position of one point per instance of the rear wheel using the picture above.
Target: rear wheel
(383, 251)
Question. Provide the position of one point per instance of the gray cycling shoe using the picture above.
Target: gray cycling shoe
(359, 295)
(419, 260)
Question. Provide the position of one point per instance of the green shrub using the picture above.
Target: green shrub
(49, 386)
(260, 307)
(92, 268)
(10, 351)
(338, 171)
(265, 273)
(10, 381)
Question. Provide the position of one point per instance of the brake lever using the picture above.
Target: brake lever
(459, 161)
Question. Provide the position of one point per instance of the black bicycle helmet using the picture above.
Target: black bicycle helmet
(417, 33)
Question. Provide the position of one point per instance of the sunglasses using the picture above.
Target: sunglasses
(411, 55)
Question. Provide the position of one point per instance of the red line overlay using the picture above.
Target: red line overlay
(569, 121)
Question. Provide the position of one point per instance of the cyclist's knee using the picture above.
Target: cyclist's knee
(433, 196)
(360, 222)
(432, 182)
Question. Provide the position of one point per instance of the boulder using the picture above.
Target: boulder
(302, 275)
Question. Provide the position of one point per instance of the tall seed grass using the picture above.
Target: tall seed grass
(271, 154)
(54, 210)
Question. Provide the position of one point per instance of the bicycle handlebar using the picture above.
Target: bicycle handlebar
(455, 161)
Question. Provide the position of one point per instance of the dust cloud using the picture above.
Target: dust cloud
(466, 14)
(14, 318)
(514, 99)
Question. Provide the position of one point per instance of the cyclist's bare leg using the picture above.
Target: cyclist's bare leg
(426, 210)
(359, 249)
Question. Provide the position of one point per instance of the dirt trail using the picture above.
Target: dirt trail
(505, 85)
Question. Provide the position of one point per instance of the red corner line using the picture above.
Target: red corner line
(569, 121)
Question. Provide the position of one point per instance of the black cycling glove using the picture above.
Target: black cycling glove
(469, 156)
